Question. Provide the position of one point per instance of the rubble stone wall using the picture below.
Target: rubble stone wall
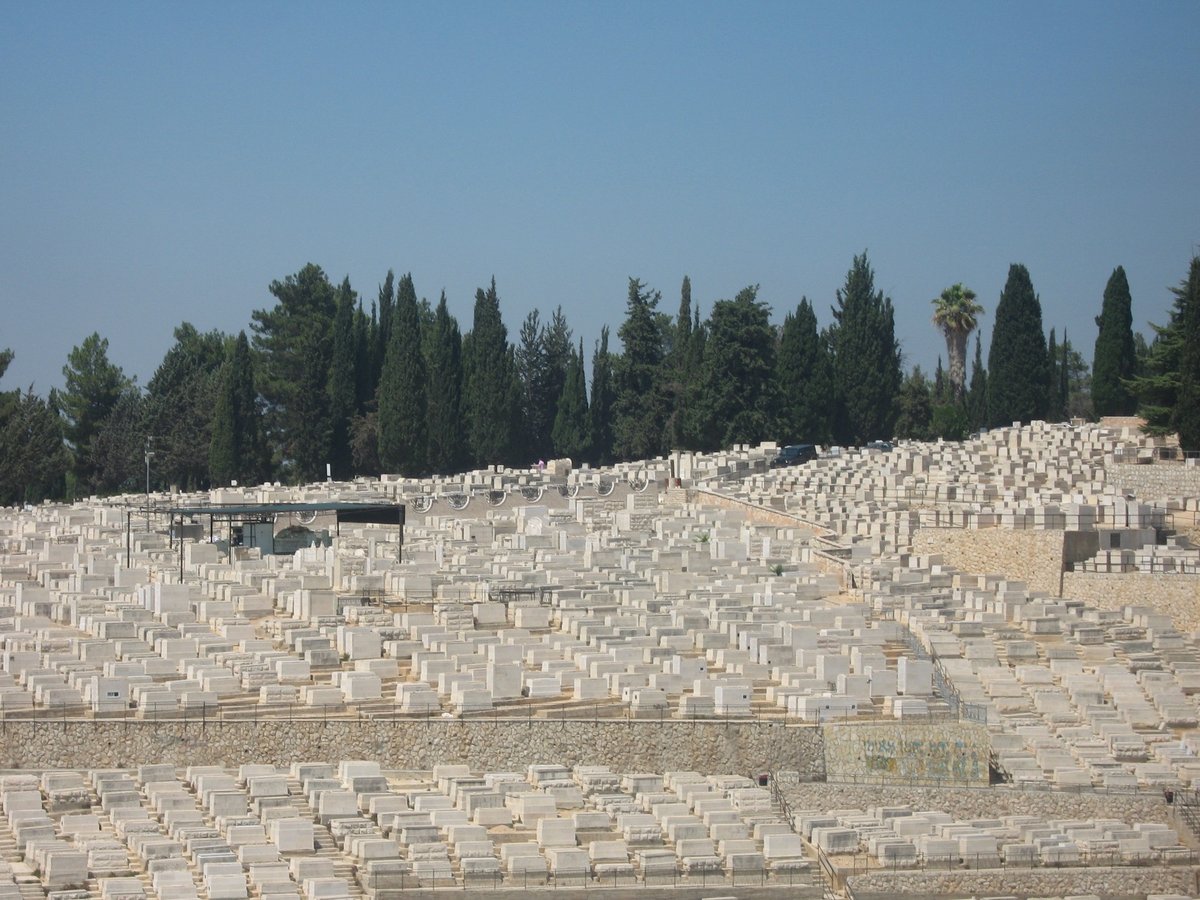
(983, 802)
(1117, 881)
(735, 747)
(1033, 556)
(1155, 481)
(1174, 595)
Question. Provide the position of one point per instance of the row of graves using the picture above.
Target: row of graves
(335, 831)
(1077, 697)
(695, 612)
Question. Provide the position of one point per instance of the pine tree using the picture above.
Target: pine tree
(33, 459)
(803, 378)
(402, 386)
(491, 393)
(343, 383)
(295, 343)
(94, 386)
(180, 398)
(866, 358)
(447, 439)
(533, 376)
(738, 399)
(1187, 408)
(1018, 370)
(571, 431)
(1115, 359)
(600, 413)
(639, 413)
(237, 451)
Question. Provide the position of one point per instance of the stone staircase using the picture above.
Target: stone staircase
(325, 845)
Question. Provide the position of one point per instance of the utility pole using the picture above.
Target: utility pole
(149, 453)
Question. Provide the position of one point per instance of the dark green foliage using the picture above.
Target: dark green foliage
(1115, 359)
(1076, 372)
(915, 406)
(680, 385)
(977, 396)
(603, 396)
(571, 427)
(804, 379)
(295, 342)
(94, 386)
(447, 438)
(738, 401)
(1018, 370)
(385, 304)
(33, 459)
(866, 358)
(364, 374)
(1056, 396)
(542, 356)
(343, 383)
(364, 443)
(237, 450)
(118, 450)
(180, 398)
(950, 422)
(402, 390)
(490, 390)
(639, 409)
(1187, 409)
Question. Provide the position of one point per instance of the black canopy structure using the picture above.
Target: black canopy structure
(304, 513)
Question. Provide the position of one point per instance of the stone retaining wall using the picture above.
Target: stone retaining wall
(1173, 595)
(1155, 481)
(1117, 881)
(713, 747)
(952, 751)
(981, 803)
(1032, 556)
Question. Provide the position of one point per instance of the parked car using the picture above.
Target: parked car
(884, 446)
(794, 454)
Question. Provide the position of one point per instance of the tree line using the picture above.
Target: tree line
(326, 384)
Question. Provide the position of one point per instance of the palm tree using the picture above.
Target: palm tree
(956, 313)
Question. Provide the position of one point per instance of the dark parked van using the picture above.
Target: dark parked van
(794, 454)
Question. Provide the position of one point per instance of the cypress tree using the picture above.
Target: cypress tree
(402, 385)
(490, 389)
(1055, 400)
(571, 437)
(1062, 371)
(1018, 369)
(682, 385)
(446, 435)
(364, 385)
(343, 383)
(866, 358)
(386, 302)
(601, 411)
(804, 378)
(977, 408)
(237, 451)
(1187, 408)
(1115, 359)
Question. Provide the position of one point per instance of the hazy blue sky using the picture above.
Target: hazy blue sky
(163, 162)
